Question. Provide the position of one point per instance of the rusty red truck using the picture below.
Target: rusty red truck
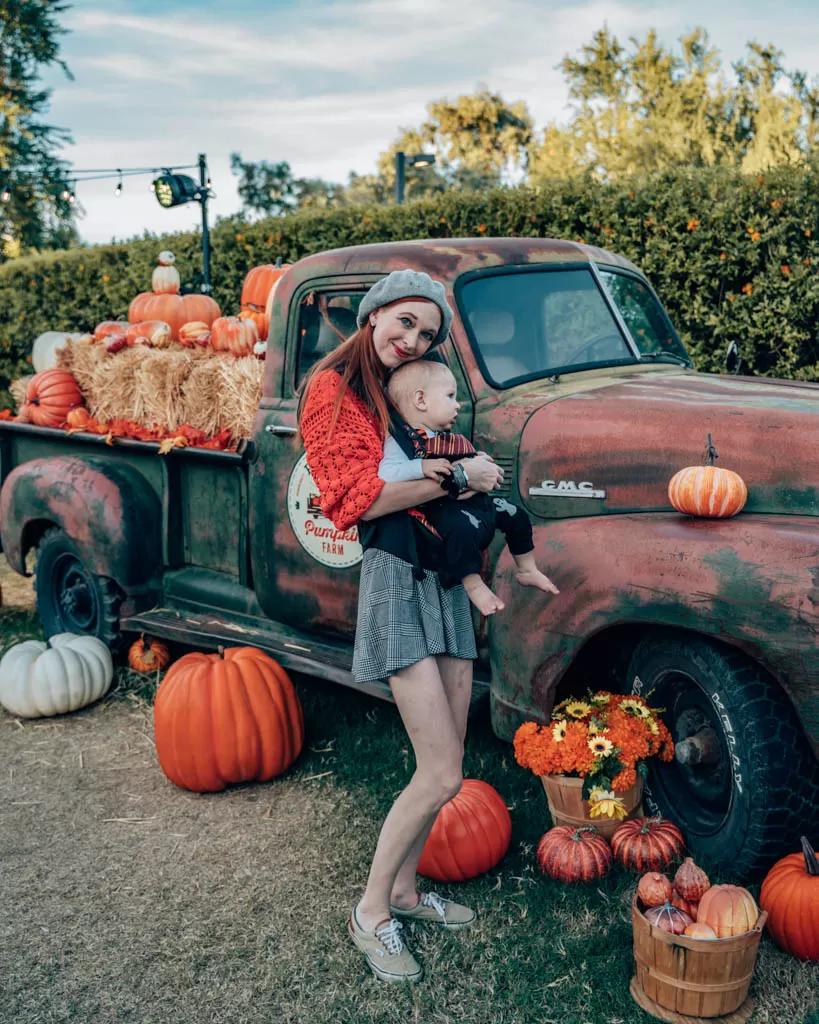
(572, 376)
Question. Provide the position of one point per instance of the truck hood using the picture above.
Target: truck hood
(614, 448)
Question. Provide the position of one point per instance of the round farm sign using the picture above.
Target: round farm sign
(339, 549)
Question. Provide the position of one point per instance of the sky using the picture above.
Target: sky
(328, 84)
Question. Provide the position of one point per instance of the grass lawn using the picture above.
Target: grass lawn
(127, 899)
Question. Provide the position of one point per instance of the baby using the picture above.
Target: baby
(425, 394)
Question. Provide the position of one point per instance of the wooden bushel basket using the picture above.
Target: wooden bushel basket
(567, 806)
(693, 977)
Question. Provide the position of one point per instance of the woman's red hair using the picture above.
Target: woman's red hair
(361, 370)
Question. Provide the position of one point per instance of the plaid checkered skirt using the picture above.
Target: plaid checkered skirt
(402, 620)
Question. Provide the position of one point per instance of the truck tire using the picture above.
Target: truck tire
(750, 786)
(70, 599)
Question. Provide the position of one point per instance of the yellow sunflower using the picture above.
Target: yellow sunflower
(604, 803)
(634, 706)
(559, 731)
(578, 708)
(600, 698)
(652, 726)
(600, 746)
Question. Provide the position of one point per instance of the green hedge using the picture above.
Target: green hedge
(732, 257)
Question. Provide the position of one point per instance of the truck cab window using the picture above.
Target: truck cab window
(326, 319)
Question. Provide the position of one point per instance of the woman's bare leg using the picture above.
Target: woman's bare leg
(456, 676)
(437, 740)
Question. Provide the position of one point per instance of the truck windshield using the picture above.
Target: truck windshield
(534, 323)
(644, 316)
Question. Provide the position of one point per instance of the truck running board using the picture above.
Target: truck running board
(322, 657)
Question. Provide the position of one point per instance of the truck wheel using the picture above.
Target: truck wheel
(744, 783)
(70, 599)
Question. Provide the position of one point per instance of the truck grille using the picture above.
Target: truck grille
(508, 466)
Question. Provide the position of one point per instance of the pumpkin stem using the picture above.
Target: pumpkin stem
(578, 834)
(710, 453)
(811, 863)
(648, 822)
(221, 652)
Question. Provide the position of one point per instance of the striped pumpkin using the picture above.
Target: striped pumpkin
(50, 396)
(572, 854)
(647, 844)
(226, 718)
(706, 490)
(471, 835)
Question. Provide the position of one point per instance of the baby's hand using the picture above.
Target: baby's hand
(436, 469)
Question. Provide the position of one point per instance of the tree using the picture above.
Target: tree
(270, 190)
(32, 176)
(648, 109)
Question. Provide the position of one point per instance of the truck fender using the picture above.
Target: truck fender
(110, 511)
(751, 581)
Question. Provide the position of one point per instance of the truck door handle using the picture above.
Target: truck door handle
(280, 428)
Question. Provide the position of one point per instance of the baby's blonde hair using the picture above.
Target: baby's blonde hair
(418, 375)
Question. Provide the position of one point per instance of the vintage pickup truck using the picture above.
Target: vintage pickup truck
(572, 376)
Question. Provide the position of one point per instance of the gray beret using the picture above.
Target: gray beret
(407, 284)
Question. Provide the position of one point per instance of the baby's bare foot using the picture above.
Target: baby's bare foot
(535, 578)
(481, 596)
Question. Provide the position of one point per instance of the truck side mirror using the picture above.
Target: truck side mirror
(733, 358)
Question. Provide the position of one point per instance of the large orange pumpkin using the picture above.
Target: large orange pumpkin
(728, 909)
(471, 835)
(226, 718)
(572, 854)
(175, 310)
(258, 287)
(231, 334)
(647, 844)
(790, 894)
(707, 491)
(50, 396)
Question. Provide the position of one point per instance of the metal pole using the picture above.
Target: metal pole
(400, 162)
(203, 200)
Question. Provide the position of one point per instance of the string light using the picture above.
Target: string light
(118, 189)
(5, 195)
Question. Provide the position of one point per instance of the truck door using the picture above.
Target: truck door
(305, 570)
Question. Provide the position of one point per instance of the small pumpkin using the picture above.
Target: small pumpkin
(669, 918)
(156, 333)
(470, 836)
(165, 278)
(654, 889)
(77, 419)
(681, 903)
(148, 657)
(226, 718)
(647, 844)
(63, 674)
(195, 333)
(690, 881)
(257, 293)
(572, 854)
(50, 396)
(698, 930)
(101, 331)
(728, 909)
(234, 335)
(706, 490)
(115, 342)
(790, 894)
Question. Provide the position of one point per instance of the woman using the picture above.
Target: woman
(410, 630)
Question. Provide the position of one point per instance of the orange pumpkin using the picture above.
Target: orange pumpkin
(226, 718)
(155, 332)
(148, 657)
(50, 396)
(681, 903)
(790, 894)
(708, 491)
(647, 844)
(691, 881)
(195, 333)
(654, 889)
(231, 334)
(257, 291)
(101, 331)
(470, 836)
(572, 854)
(175, 310)
(259, 318)
(78, 419)
(728, 909)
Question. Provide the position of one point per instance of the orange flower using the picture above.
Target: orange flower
(722, 255)
(755, 236)
(731, 298)
(808, 232)
(482, 229)
(776, 204)
(806, 261)
(693, 224)
(747, 289)
(785, 269)
(624, 780)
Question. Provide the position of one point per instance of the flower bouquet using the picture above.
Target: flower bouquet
(592, 755)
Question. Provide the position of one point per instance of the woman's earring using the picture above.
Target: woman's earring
(372, 321)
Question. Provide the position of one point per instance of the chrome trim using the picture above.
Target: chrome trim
(280, 428)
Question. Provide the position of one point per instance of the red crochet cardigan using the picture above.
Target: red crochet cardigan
(344, 467)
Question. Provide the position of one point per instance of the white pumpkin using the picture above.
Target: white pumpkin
(44, 352)
(165, 278)
(67, 672)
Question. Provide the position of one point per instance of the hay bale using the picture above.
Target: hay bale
(18, 390)
(242, 381)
